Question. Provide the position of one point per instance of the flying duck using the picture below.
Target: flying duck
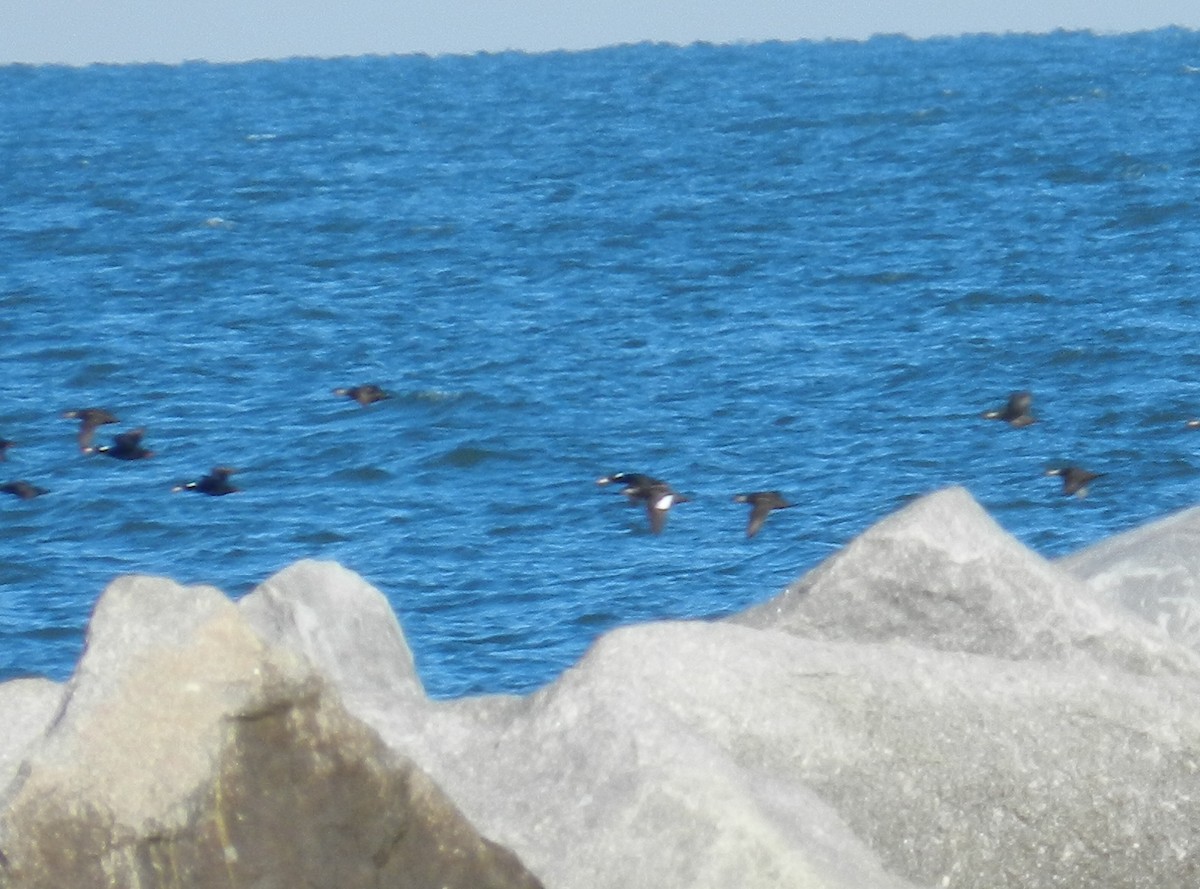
(1015, 412)
(761, 504)
(90, 418)
(1074, 479)
(659, 499)
(634, 485)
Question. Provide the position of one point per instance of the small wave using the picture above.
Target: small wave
(882, 278)
(51, 632)
(516, 530)
(775, 123)
(986, 299)
(1073, 175)
(62, 353)
(323, 537)
(597, 619)
(432, 396)
(364, 474)
(142, 526)
(891, 277)
(1143, 216)
(468, 456)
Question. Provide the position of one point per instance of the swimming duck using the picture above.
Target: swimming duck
(761, 505)
(1015, 412)
(1074, 479)
(5, 444)
(90, 418)
(23, 489)
(215, 484)
(126, 446)
(364, 395)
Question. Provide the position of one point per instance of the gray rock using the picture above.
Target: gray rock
(544, 777)
(707, 750)
(645, 761)
(28, 707)
(1005, 728)
(340, 624)
(933, 706)
(206, 758)
(941, 573)
(1153, 571)
(346, 630)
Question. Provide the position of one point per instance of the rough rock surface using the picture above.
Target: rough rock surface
(189, 753)
(28, 706)
(942, 574)
(934, 706)
(342, 625)
(1153, 571)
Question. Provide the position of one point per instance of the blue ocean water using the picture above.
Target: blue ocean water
(806, 267)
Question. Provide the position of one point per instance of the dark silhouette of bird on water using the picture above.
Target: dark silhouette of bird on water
(1075, 480)
(126, 446)
(90, 419)
(215, 484)
(1016, 412)
(762, 503)
(5, 444)
(23, 489)
(364, 395)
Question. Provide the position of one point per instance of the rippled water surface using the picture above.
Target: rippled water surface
(806, 267)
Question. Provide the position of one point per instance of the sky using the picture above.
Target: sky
(80, 32)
